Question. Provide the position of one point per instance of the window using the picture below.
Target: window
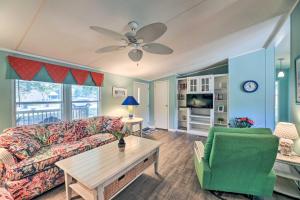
(42, 103)
(38, 102)
(85, 101)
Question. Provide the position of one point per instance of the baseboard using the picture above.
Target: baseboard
(172, 130)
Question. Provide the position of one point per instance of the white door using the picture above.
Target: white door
(161, 104)
(141, 94)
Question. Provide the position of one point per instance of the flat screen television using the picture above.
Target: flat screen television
(199, 101)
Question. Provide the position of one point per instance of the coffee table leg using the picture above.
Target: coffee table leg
(156, 161)
(100, 191)
(68, 181)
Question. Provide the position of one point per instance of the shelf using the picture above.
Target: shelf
(287, 187)
(220, 112)
(201, 116)
(200, 123)
(219, 124)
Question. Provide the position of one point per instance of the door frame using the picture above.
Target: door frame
(168, 100)
(148, 106)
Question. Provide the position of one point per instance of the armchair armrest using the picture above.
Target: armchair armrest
(6, 159)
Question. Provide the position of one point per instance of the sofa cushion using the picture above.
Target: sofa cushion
(39, 132)
(48, 155)
(21, 146)
(111, 124)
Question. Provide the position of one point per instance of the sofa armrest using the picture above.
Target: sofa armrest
(6, 159)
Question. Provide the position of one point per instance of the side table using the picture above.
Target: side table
(130, 122)
(287, 169)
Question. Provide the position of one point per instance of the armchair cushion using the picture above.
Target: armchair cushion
(213, 130)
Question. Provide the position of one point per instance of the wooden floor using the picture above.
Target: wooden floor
(177, 180)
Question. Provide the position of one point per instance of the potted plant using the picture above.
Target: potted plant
(241, 122)
(120, 136)
(221, 120)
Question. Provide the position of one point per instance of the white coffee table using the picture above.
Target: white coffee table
(103, 172)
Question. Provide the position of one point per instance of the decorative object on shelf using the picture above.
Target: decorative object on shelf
(250, 86)
(281, 72)
(287, 132)
(241, 122)
(130, 102)
(298, 80)
(119, 92)
(120, 137)
(219, 96)
(221, 120)
(221, 108)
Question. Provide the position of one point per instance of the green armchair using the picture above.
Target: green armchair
(237, 160)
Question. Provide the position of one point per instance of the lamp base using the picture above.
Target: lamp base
(286, 147)
(130, 116)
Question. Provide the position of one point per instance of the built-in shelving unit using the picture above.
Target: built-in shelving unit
(199, 120)
(181, 104)
(220, 100)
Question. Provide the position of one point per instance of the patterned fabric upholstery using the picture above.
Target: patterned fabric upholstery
(48, 156)
(31, 168)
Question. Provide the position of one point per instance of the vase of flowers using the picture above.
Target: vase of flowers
(241, 122)
(120, 137)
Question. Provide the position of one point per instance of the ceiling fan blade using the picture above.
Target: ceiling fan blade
(110, 49)
(135, 55)
(157, 48)
(151, 32)
(109, 33)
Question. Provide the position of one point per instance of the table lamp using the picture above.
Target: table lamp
(130, 102)
(287, 132)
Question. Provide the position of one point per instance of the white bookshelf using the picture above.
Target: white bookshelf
(198, 121)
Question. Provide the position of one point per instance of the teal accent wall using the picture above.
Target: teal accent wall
(283, 96)
(172, 101)
(109, 104)
(220, 69)
(259, 106)
(295, 52)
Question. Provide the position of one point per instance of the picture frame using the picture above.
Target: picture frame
(118, 92)
(297, 66)
(221, 108)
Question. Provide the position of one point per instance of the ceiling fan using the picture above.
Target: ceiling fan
(138, 40)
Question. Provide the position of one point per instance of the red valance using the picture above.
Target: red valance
(27, 69)
(56, 72)
(97, 78)
(80, 75)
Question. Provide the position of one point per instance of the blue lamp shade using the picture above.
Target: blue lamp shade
(130, 101)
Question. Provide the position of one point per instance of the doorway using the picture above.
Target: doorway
(141, 94)
(161, 104)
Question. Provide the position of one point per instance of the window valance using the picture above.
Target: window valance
(26, 69)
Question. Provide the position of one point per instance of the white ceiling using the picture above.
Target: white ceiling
(201, 32)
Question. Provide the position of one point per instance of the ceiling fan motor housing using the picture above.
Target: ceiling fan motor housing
(133, 25)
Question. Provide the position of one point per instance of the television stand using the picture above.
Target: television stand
(199, 120)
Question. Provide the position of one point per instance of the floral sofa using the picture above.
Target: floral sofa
(28, 153)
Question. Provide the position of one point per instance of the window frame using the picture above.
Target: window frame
(98, 101)
(66, 102)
